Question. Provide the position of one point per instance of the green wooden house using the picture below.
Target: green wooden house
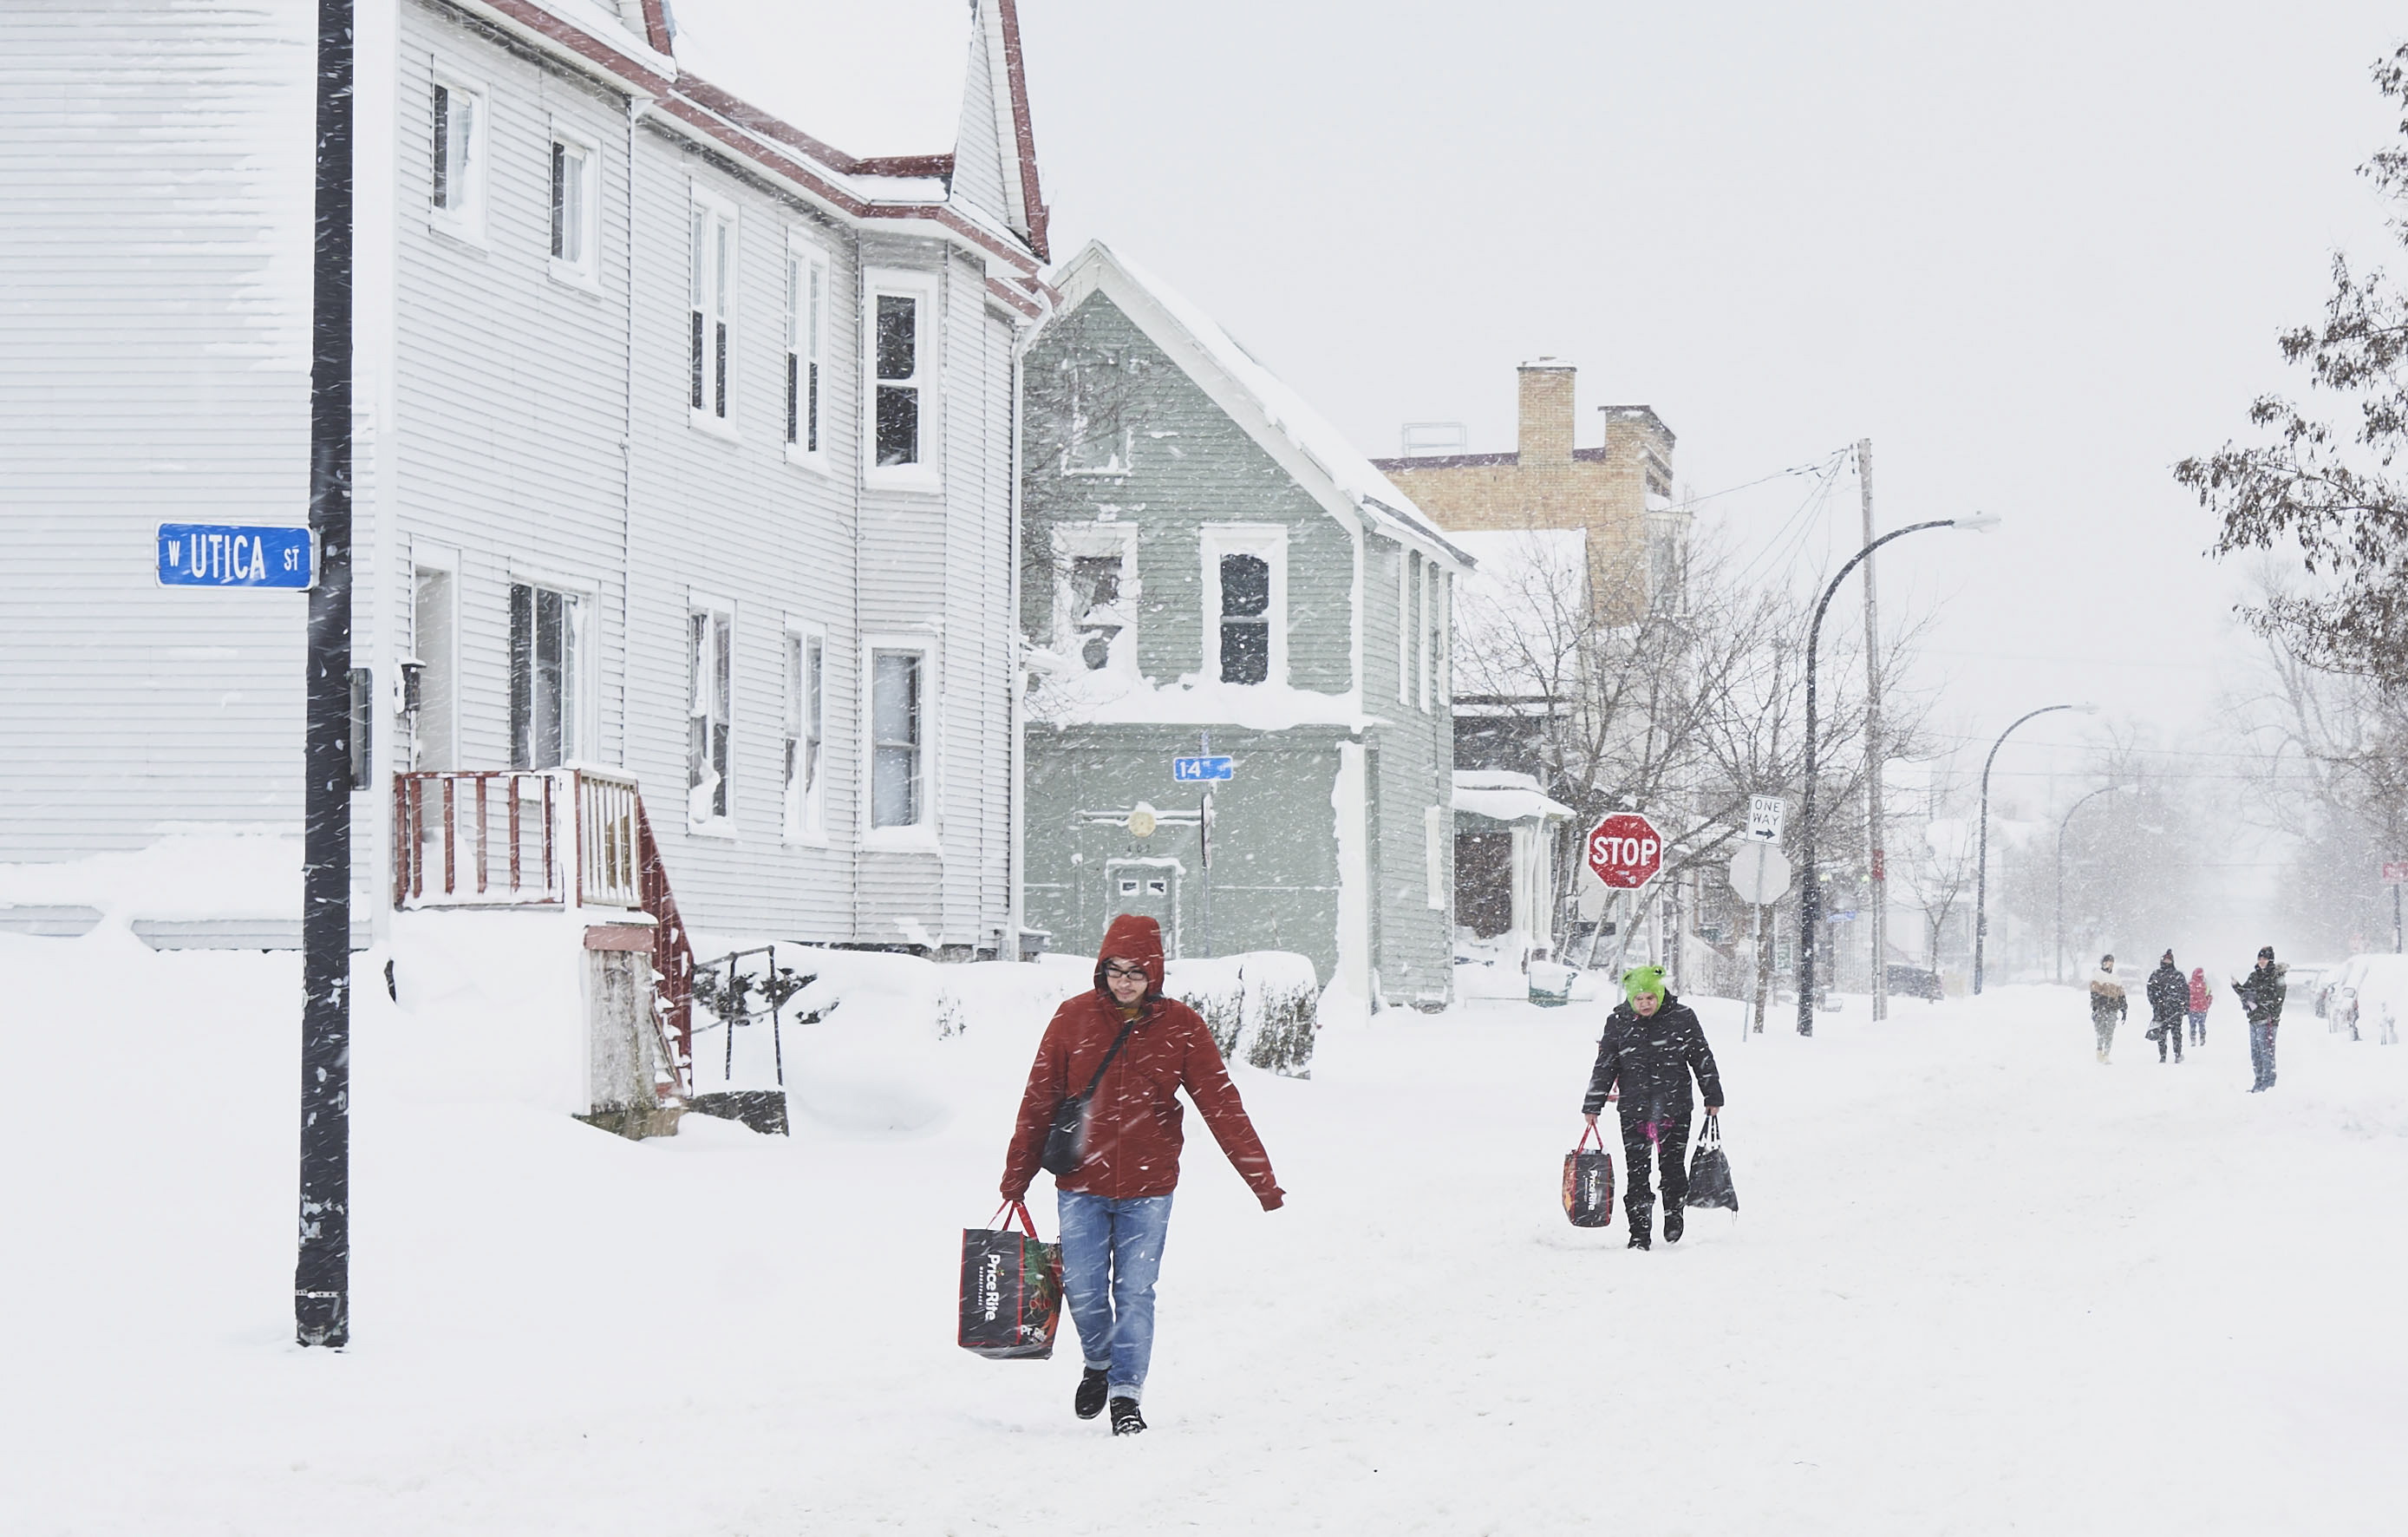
(1211, 571)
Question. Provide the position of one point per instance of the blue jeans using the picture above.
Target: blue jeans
(1112, 1251)
(2261, 1053)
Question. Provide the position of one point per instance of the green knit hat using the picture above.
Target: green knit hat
(1643, 980)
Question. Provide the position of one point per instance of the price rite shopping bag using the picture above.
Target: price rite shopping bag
(1012, 1289)
(1710, 1181)
(1588, 1183)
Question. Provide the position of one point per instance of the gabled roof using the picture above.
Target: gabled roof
(859, 105)
(1316, 453)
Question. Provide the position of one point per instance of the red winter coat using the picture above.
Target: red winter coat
(1133, 1125)
(2200, 995)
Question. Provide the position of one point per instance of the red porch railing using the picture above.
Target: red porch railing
(547, 838)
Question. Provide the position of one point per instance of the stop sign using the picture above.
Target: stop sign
(1625, 851)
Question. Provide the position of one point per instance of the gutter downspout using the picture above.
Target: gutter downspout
(636, 107)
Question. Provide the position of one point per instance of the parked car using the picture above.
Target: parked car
(1914, 981)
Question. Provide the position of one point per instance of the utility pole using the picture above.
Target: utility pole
(322, 1276)
(1873, 754)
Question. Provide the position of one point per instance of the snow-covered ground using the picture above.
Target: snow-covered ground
(1979, 1284)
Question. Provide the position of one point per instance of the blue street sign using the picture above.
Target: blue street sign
(214, 555)
(1196, 770)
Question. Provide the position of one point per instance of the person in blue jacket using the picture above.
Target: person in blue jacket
(1652, 1044)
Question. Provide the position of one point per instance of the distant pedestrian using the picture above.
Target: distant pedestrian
(2169, 1000)
(1131, 1050)
(2261, 1000)
(1652, 1045)
(2107, 1004)
(2200, 996)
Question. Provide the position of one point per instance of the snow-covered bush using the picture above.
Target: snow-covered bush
(1260, 1006)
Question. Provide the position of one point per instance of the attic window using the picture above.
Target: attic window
(1245, 619)
(1096, 437)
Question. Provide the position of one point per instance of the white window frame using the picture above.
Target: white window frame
(1416, 642)
(444, 561)
(803, 381)
(1404, 625)
(1268, 540)
(705, 677)
(467, 187)
(920, 835)
(928, 377)
(714, 283)
(581, 717)
(1431, 635)
(1442, 620)
(583, 224)
(806, 806)
(1437, 827)
(1072, 541)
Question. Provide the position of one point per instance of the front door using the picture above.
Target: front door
(1150, 889)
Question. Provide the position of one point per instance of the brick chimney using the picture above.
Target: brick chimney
(1546, 411)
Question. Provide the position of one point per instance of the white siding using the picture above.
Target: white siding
(539, 429)
(978, 156)
(154, 185)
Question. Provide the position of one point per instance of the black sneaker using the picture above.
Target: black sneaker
(1126, 1421)
(1672, 1224)
(1637, 1239)
(1090, 1399)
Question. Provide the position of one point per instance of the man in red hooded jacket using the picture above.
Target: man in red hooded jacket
(1116, 1204)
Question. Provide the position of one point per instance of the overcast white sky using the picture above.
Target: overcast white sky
(2037, 255)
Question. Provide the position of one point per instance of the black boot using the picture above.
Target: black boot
(1672, 1221)
(1642, 1219)
(1126, 1421)
(1090, 1399)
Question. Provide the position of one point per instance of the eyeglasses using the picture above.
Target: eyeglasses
(1125, 974)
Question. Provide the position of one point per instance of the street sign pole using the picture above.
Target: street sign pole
(1204, 849)
(321, 1284)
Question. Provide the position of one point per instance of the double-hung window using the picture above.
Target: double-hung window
(1433, 622)
(575, 208)
(457, 196)
(1407, 563)
(806, 734)
(1245, 581)
(711, 711)
(898, 690)
(1410, 617)
(547, 676)
(1095, 595)
(710, 311)
(807, 304)
(902, 366)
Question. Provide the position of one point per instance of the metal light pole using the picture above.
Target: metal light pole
(321, 1275)
(1810, 896)
(2057, 968)
(1982, 866)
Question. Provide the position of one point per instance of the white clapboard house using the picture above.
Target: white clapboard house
(685, 451)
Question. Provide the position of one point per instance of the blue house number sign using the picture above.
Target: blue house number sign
(212, 554)
(1199, 770)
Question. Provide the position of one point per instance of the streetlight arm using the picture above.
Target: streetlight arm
(1982, 865)
(1815, 631)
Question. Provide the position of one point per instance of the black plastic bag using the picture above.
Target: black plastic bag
(1710, 1181)
(1588, 1183)
(1011, 1290)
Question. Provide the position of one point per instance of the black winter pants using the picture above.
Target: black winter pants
(1672, 1139)
(2170, 1033)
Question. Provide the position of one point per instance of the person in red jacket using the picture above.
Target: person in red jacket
(2200, 996)
(1115, 1206)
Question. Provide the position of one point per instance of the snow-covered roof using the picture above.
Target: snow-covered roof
(1506, 797)
(1370, 494)
(877, 79)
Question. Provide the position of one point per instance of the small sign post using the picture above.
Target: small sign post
(2395, 875)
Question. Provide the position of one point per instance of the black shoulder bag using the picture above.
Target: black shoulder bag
(1066, 1144)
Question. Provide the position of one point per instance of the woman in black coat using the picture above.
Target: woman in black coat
(1651, 1045)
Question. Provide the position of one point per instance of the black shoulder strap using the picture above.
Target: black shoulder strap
(1118, 1042)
